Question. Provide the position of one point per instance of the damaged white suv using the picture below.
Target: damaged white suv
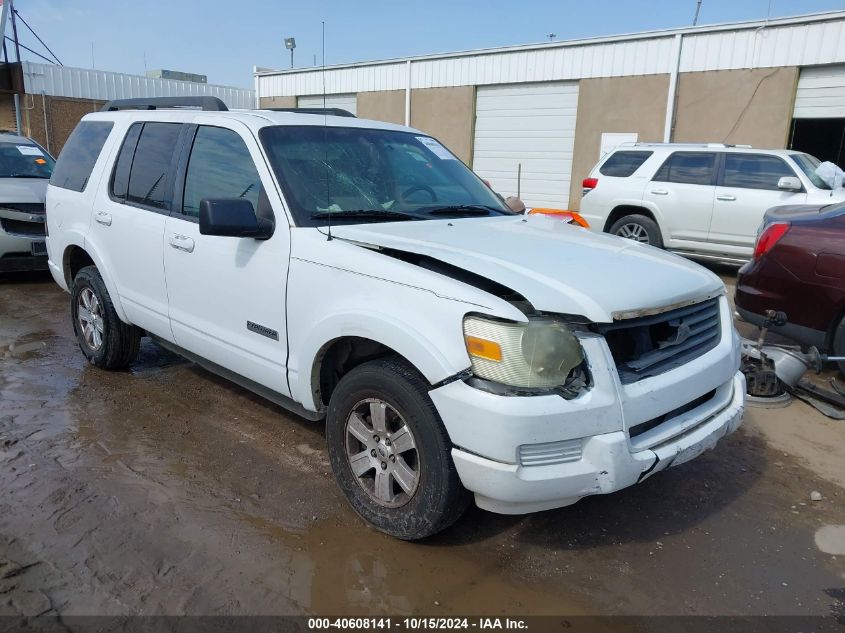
(357, 271)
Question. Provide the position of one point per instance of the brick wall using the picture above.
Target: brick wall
(63, 113)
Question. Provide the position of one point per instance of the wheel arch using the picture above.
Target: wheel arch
(621, 210)
(75, 257)
(340, 343)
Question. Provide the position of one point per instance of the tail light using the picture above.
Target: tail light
(588, 184)
(769, 237)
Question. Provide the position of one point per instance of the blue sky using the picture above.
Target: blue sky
(223, 40)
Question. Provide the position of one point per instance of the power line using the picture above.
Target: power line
(26, 24)
(46, 59)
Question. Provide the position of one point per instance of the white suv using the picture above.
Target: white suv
(703, 201)
(357, 271)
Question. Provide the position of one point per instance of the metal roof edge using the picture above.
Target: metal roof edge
(824, 16)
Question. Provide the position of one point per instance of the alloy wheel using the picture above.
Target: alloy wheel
(633, 231)
(382, 453)
(90, 316)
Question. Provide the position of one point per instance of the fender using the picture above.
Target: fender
(91, 248)
(420, 350)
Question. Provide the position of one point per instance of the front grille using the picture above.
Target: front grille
(35, 208)
(642, 427)
(19, 227)
(651, 345)
(550, 453)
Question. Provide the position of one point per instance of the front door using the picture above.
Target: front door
(748, 185)
(227, 294)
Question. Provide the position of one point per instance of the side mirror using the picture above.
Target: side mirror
(790, 183)
(232, 217)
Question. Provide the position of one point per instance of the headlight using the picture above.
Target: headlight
(537, 354)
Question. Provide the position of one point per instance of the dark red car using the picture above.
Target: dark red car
(799, 268)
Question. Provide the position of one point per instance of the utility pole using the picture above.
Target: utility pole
(697, 11)
(17, 97)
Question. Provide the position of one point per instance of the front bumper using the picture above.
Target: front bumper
(524, 454)
(16, 252)
(607, 463)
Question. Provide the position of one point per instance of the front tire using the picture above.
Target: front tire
(106, 341)
(390, 453)
(638, 228)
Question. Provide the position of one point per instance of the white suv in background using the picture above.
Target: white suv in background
(703, 201)
(356, 271)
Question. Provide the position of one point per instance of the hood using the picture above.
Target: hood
(556, 266)
(23, 190)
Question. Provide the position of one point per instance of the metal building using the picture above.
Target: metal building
(54, 98)
(548, 111)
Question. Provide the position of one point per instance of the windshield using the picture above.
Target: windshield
(24, 160)
(808, 165)
(365, 175)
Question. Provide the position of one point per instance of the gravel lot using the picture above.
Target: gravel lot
(165, 490)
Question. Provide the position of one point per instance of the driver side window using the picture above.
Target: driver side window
(220, 166)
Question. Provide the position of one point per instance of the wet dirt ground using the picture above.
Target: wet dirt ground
(165, 490)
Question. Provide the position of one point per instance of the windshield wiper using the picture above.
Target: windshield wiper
(23, 176)
(462, 209)
(375, 214)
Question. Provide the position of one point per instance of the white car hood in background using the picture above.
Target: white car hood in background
(557, 267)
(23, 190)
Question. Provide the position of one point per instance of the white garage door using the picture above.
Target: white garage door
(348, 102)
(821, 93)
(532, 125)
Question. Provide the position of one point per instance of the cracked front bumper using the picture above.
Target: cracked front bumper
(607, 463)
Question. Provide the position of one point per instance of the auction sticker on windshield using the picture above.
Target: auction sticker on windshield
(29, 150)
(437, 148)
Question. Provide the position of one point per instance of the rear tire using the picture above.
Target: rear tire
(106, 341)
(382, 423)
(839, 344)
(639, 228)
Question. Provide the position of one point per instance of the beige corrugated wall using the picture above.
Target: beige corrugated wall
(614, 104)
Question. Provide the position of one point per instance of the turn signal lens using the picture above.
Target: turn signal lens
(570, 217)
(482, 348)
(769, 237)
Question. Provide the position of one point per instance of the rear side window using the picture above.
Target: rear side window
(692, 168)
(220, 167)
(754, 171)
(120, 178)
(151, 165)
(76, 161)
(623, 164)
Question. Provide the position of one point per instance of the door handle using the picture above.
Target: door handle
(726, 198)
(660, 192)
(103, 218)
(182, 243)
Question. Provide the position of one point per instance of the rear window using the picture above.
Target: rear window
(73, 168)
(151, 164)
(691, 168)
(623, 164)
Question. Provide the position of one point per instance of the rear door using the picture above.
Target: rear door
(683, 190)
(227, 294)
(129, 217)
(747, 186)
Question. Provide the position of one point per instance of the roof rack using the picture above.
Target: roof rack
(325, 111)
(154, 103)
